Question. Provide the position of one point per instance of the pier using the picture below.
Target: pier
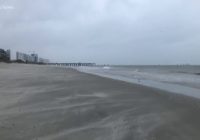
(73, 64)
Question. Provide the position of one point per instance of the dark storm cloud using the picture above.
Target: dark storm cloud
(103, 31)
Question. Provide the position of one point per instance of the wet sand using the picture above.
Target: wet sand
(51, 103)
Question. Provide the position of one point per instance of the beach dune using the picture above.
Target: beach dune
(54, 103)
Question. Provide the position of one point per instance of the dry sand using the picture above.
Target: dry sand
(49, 103)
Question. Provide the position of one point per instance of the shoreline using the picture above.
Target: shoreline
(47, 103)
(165, 86)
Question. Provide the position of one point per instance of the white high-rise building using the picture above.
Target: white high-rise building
(33, 58)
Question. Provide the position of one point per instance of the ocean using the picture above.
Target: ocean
(181, 79)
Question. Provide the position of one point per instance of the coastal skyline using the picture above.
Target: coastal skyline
(103, 31)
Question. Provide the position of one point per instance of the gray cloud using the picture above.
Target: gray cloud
(104, 31)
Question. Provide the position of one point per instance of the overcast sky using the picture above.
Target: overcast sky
(103, 31)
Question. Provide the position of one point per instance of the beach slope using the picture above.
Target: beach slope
(53, 103)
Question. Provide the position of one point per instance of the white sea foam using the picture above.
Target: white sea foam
(106, 68)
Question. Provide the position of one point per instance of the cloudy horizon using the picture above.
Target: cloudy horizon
(103, 31)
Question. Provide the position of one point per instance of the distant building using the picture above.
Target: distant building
(21, 57)
(4, 55)
(26, 58)
(8, 54)
(35, 58)
(43, 61)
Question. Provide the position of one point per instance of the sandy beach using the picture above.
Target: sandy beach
(53, 103)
